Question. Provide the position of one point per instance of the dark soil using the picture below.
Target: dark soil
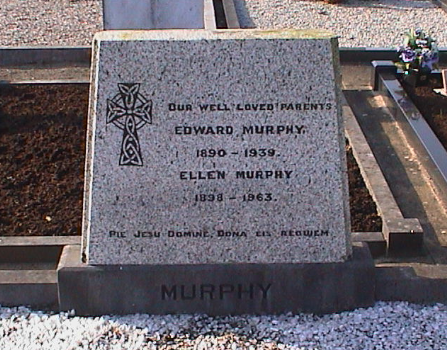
(42, 136)
(364, 217)
(42, 146)
(433, 107)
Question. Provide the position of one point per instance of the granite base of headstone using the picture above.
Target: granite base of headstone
(215, 178)
(225, 289)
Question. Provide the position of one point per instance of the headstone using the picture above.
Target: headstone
(216, 147)
(215, 179)
(157, 14)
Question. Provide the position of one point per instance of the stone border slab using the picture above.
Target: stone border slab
(39, 240)
(81, 55)
(376, 242)
(44, 55)
(43, 82)
(216, 289)
(369, 54)
(34, 249)
(24, 279)
(399, 233)
(415, 283)
(230, 14)
(421, 136)
(37, 289)
(209, 15)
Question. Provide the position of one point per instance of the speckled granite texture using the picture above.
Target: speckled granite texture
(215, 147)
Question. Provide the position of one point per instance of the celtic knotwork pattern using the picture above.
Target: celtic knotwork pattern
(129, 111)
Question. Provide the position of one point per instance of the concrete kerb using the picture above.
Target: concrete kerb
(43, 249)
(216, 289)
(28, 270)
(44, 55)
(230, 14)
(209, 15)
(81, 55)
(33, 288)
(419, 134)
(44, 82)
(414, 283)
(398, 232)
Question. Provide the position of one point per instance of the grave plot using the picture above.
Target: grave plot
(67, 113)
(43, 155)
(42, 159)
(400, 233)
(411, 158)
(432, 105)
(420, 113)
(125, 160)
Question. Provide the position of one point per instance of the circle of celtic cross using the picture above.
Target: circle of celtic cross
(129, 111)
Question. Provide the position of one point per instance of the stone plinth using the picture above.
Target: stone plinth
(216, 289)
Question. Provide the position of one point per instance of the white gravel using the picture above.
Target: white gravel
(49, 22)
(393, 326)
(359, 23)
(374, 23)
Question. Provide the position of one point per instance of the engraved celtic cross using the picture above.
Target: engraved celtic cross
(129, 111)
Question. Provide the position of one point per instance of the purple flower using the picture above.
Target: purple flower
(429, 58)
(408, 55)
